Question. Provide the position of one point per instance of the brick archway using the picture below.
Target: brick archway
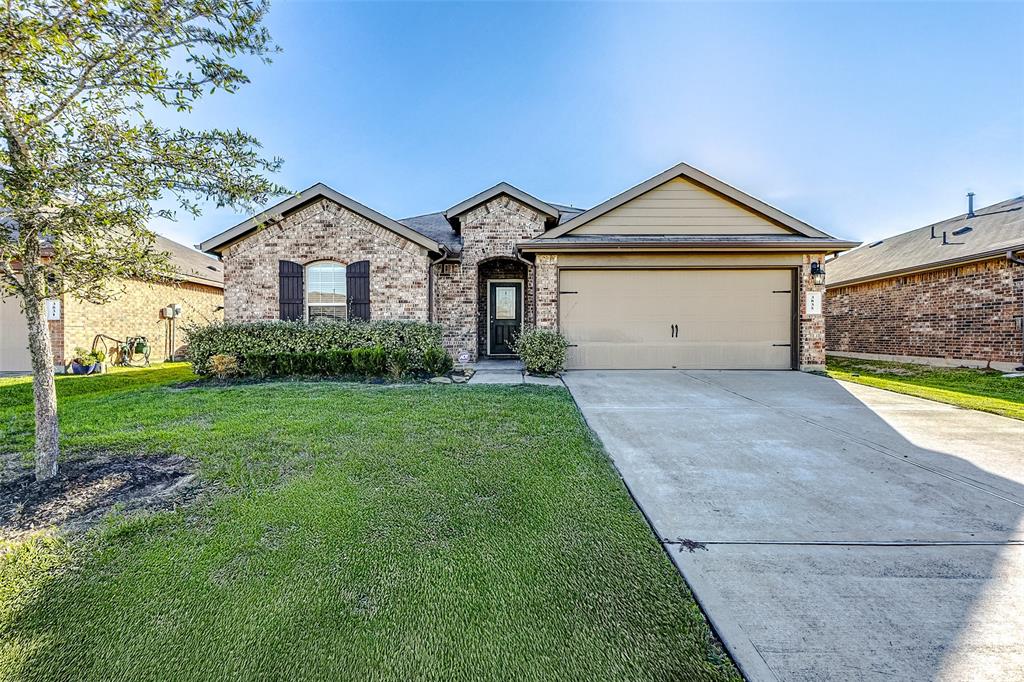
(500, 268)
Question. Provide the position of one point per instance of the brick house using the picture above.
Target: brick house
(951, 293)
(681, 270)
(136, 311)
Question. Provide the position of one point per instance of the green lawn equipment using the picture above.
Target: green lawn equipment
(132, 352)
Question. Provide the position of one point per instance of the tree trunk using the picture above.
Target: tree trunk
(43, 388)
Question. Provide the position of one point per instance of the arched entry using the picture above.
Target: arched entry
(504, 304)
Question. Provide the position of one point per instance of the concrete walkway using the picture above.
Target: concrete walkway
(829, 530)
(507, 372)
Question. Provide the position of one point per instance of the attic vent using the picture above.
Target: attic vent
(871, 246)
(963, 230)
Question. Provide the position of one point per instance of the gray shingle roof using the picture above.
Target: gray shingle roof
(437, 227)
(994, 229)
(194, 266)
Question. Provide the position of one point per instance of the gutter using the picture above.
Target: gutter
(1017, 260)
(829, 246)
(430, 278)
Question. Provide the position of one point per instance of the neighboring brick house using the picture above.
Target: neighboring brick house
(680, 271)
(135, 311)
(951, 293)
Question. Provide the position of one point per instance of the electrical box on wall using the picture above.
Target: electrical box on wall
(170, 312)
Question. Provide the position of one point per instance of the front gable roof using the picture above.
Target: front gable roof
(701, 178)
(217, 244)
(454, 213)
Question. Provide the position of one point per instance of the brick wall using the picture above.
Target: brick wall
(488, 231)
(968, 312)
(134, 312)
(547, 290)
(326, 231)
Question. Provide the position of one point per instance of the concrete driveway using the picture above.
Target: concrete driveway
(829, 530)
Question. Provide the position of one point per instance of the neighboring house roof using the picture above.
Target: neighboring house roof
(501, 189)
(701, 178)
(194, 266)
(273, 214)
(995, 230)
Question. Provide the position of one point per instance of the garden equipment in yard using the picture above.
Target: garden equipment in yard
(132, 352)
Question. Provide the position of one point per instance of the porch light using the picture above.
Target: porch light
(817, 273)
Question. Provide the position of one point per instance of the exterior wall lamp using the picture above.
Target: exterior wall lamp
(817, 273)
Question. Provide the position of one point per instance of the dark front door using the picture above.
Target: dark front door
(505, 315)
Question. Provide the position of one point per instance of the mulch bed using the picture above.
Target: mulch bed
(86, 489)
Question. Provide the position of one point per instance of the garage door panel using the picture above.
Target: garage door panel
(726, 319)
(14, 355)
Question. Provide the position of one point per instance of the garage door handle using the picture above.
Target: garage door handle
(782, 345)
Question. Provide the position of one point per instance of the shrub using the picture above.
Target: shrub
(260, 365)
(224, 366)
(398, 363)
(338, 362)
(370, 362)
(246, 339)
(436, 361)
(541, 350)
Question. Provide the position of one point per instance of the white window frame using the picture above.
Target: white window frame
(305, 293)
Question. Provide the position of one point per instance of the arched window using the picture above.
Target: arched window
(326, 294)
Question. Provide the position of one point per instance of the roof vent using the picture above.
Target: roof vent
(963, 230)
(933, 232)
(211, 267)
(970, 205)
(871, 246)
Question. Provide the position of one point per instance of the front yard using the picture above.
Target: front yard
(975, 389)
(346, 531)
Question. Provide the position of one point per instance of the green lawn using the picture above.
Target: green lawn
(975, 389)
(351, 532)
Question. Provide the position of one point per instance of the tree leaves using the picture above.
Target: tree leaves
(81, 163)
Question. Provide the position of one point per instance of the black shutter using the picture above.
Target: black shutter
(357, 282)
(292, 289)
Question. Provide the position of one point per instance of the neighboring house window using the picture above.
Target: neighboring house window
(326, 292)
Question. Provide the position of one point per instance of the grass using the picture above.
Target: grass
(354, 532)
(975, 389)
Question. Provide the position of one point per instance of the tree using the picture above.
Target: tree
(82, 162)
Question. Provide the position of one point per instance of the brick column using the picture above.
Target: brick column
(812, 327)
(547, 291)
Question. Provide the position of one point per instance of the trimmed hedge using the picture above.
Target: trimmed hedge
(255, 342)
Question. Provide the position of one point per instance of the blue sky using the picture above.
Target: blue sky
(861, 119)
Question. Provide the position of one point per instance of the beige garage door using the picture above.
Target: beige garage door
(14, 355)
(685, 319)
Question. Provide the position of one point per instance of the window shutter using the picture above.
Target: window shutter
(357, 276)
(292, 290)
